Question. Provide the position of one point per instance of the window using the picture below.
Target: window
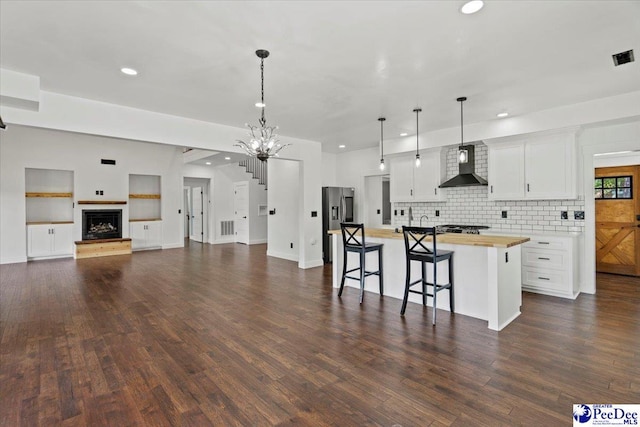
(613, 187)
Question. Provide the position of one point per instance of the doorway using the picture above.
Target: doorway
(377, 201)
(617, 206)
(196, 209)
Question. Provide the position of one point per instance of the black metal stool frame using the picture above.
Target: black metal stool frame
(353, 241)
(417, 250)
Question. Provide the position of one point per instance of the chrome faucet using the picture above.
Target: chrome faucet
(423, 216)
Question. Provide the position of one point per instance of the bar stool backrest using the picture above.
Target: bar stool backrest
(352, 234)
(414, 243)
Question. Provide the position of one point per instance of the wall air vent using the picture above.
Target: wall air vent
(107, 162)
(623, 57)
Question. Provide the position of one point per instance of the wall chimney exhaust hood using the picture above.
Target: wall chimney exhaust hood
(466, 172)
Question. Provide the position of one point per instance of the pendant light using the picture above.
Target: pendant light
(417, 110)
(381, 120)
(264, 141)
(463, 153)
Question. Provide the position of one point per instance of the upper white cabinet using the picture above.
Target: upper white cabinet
(538, 167)
(411, 184)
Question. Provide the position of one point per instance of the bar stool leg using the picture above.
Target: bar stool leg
(380, 271)
(424, 282)
(451, 297)
(362, 275)
(406, 289)
(435, 289)
(344, 272)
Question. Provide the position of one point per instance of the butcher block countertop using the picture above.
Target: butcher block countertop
(450, 238)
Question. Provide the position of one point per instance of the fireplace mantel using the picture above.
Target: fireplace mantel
(102, 202)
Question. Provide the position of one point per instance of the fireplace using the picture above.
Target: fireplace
(101, 224)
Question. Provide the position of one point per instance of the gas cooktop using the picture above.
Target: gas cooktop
(463, 229)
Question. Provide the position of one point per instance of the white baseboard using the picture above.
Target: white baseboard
(221, 241)
(288, 257)
(173, 246)
(13, 260)
(311, 264)
(257, 241)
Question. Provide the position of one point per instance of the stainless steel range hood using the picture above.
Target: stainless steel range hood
(466, 172)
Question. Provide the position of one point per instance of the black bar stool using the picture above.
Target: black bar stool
(417, 250)
(353, 241)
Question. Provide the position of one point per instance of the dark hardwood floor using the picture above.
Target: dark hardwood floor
(222, 335)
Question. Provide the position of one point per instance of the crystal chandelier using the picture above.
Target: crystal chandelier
(264, 141)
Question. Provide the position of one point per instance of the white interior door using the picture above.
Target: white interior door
(197, 212)
(241, 208)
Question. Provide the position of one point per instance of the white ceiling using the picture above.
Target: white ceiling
(335, 66)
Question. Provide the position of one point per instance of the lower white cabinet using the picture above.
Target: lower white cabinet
(550, 265)
(145, 235)
(49, 240)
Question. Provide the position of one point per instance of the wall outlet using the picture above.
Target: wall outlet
(378, 211)
(437, 213)
(314, 214)
(578, 215)
(504, 214)
(97, 192)
(395, 212)
(291, 245)
(564, 215)
(101, 193)
(401, 212)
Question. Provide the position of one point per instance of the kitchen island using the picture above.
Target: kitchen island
(486, 269)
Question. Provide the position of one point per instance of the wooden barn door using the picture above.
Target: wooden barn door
(618, 220)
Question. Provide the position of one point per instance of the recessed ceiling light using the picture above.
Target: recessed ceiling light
(260, 104)
(404, 134)
(471, 7)
(129, 71)
(341, 146)
(207, 163)
(227, 158)
(505, 114)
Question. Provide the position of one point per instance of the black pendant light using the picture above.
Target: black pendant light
(381, 120)
(463, 153)
(417, 111)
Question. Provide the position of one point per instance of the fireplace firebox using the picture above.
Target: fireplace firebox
(101, 224)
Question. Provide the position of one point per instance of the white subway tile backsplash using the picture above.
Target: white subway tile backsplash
(470, 205)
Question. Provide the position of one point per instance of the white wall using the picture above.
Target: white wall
(329, 169)
(284, 197)
(25, 147)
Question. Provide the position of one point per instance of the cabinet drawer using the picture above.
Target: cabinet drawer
(538, 278)
(539, 242)
(544, 259)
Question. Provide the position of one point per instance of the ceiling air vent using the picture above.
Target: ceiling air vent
(623, 57)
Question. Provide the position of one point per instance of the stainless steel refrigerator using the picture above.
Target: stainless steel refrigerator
(337, 207)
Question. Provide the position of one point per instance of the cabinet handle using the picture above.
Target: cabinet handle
(492, 188)
(543, 243)
(411, 191)
(546, 259)
(527, 188)
(435, 191)
(543, 278)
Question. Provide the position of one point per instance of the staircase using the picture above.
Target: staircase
(257, 168)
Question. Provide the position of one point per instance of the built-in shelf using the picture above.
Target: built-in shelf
(48, 222)
(102, 202)
(144, 196)
(41, 194)
(145, 219)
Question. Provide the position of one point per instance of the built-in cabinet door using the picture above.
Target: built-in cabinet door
(39, 240)
(62, 239)
(401, 179)
(549, 168)
(427, 178)
(137, 233)
(154, 234)
(506, 171)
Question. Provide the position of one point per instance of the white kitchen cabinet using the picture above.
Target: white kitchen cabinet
(145, 235)
(411, 184)
(49, 240)
(539, 167)
(549, 265)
